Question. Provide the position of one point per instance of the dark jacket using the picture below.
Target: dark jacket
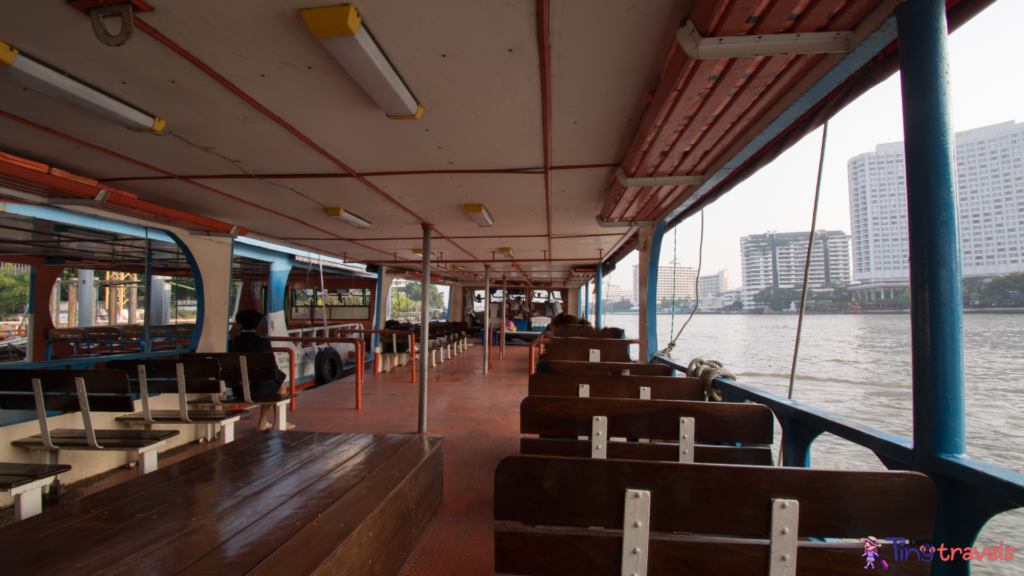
(253, 342)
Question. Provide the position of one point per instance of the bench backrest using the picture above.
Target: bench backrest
(260, 365)
(601, 386)
(577, 331)
(716, 422)
(102, 332)
(578, 349)
(698, 499)
(608, 368)
(107, 390)
(202, 376)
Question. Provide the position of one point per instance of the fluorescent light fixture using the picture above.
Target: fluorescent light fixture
(420, 252)
(507, 253)
(479, 214)
(37, 76)
(457, 267)
(348, 217)
(341, 31)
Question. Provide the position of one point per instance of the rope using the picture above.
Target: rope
(667, 351)
(807, 271)
(675, 248)
(707, 371)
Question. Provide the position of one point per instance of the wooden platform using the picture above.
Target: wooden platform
(268, 503)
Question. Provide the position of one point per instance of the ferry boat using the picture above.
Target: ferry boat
(284, 163)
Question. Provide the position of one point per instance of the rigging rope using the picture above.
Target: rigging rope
(675, 249)
(707, 371)
(667, 351)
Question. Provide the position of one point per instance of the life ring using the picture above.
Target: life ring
(327, 365)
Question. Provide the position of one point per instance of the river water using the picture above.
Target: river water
(858, 366)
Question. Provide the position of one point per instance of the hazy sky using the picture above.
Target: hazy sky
(987, 89)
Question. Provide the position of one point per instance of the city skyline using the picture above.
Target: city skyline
(780, 196)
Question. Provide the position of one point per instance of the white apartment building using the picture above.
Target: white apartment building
(990, 185)
(712, 286)
(616, 294)
(778, 259)
(673, 279)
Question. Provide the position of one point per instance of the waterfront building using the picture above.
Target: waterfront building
(617, 293)
(713, 285)
(673, 280)
(778, 258)
(990, 186)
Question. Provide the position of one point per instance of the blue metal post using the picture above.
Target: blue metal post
(936, 309)
(197, 275)
(651, 313)
(382, 306)
(599, 298)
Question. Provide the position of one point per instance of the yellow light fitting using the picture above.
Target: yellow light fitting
(479, 214)
(348, 217)
(343, 33)
(419, 251)
(507, 253)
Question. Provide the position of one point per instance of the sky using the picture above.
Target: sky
(984, 54)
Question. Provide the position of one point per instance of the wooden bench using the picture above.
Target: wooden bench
(601, 386)
(607, 368)
(26, 482)
(243, 367)
(610, 517)
(86, 391)
(685, 429)
(587, 350)
(577, 331)
(267, 504)
(180, 377)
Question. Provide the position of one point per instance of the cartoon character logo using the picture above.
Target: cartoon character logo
(871, 553)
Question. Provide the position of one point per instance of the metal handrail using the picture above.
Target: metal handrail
(360, 352)
(291, 372)
(376, 354)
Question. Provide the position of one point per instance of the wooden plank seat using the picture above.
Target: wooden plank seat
(578, 331)
(586, 350)
(608, 368)
(180, 377)
(25, 482)
(272, 503)
(710, 425)
(93, 340)
(603, 386)
(243, 367)
(577, 518)
(84, 391)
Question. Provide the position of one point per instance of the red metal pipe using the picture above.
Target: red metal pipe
(291, 370)
(360, 353)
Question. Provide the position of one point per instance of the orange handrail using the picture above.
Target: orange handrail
(360, 352)
(291, 369)
(412, 345)
(538, 343)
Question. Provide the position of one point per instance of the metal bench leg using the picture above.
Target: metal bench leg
(147, 462)
(280, 417)
(228, 431)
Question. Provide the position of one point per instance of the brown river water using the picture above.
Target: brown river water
(858, 366)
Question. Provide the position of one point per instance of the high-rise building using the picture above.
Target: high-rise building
(714, 285)
(778, 258)
(673, 280)
(990, 185)
(616, 294)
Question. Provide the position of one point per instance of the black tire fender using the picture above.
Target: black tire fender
(327, 365)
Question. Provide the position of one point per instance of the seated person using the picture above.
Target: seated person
(249, 341)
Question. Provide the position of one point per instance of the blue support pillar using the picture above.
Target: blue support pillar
(382, 311)
(599, 298)
(936, 309)
(280, 268)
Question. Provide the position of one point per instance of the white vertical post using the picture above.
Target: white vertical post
(504, 307)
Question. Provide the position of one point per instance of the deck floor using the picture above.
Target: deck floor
(477, 415)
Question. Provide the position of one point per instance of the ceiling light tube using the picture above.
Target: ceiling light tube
(341, 31)
(348, 217)
(480, 215)
(37, 76)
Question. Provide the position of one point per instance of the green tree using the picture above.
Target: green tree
(621, 306)
(735, 306)
(414, 292)
(972, 289)
(13, 293)
(1009, 287)
(904, 300)
(777, 299)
